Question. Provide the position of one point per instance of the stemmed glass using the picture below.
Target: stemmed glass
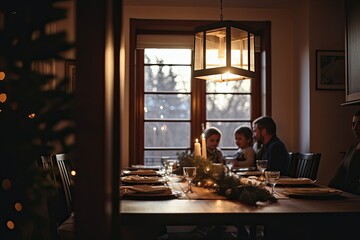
(261, 166)
(271, 178)
(190, 174)
(229, 163)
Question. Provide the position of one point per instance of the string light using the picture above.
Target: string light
(10, 225)
(32, 115)
(6, 184)
(2, 76)
(3, 97)
(73, 173)
(18, 207)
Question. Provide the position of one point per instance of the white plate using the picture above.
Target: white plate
(294, 181)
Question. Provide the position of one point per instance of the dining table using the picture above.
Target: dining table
(315, 216)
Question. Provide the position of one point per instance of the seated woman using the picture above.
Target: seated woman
(245, 155)
(347, 176)
(214, 153)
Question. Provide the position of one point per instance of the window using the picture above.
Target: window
(167, 102)
(168, 107)
(228, 105)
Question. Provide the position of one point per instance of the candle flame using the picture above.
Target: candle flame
(196, 140)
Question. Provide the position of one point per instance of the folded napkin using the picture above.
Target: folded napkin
(311, 191)
(289, 181)
(145, 189)
(137, 178)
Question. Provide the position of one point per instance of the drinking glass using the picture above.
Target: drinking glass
(261, 166)
(229, 163)
(271, 178)
(169, 167)
(190, 174)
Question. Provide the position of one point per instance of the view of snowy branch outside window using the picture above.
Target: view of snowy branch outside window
(167, 105)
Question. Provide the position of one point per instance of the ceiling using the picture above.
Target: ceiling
(212, 3)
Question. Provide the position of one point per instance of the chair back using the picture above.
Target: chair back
(60, 210)
(64, 172)
(48, 166)
(304, 165)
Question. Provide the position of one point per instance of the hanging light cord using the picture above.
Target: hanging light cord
(221, 11)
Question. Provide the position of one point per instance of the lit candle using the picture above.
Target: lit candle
(197, 148)
(203, 147)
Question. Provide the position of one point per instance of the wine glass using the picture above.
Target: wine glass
(261, 166)
(229, 163)
(271, 178)
(190, 174)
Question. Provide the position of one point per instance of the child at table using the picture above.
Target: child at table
(245, 155)
(214, 153)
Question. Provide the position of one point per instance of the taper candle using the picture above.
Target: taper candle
(203, 147)
(197, 148)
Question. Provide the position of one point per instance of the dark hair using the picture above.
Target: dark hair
(211, 131)
(267, 123)
(357, 113)
(246, 131)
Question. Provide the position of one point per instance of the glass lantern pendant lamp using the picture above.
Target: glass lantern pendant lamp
(224, 51)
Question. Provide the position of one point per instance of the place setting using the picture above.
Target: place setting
(142, 172)
(312, 192)
(142, 167)
(295, 181)
(136, 179)
(147, 192)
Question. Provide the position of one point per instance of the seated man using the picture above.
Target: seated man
(347, 176)
(272, 148)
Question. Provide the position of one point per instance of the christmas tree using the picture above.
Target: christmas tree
(35, 111)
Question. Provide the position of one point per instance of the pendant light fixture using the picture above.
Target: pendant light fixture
(224, 51)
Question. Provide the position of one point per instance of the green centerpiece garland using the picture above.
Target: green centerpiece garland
(217, 177)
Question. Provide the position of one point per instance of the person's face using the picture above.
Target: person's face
(258, 134)
(213, 141)
(241, 141)
(356, 126)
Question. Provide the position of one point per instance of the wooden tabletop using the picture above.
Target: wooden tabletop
(191, 210)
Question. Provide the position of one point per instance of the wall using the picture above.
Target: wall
(330, 123)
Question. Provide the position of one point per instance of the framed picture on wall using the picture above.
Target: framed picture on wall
(330, 70)
(70, 74)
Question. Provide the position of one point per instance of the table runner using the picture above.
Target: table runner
(201, 193)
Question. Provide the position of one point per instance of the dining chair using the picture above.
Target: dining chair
(63, 164)
(66, 230)
(304, 165)
(48, 165)
(52, 201)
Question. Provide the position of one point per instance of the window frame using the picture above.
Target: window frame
(261, 84)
